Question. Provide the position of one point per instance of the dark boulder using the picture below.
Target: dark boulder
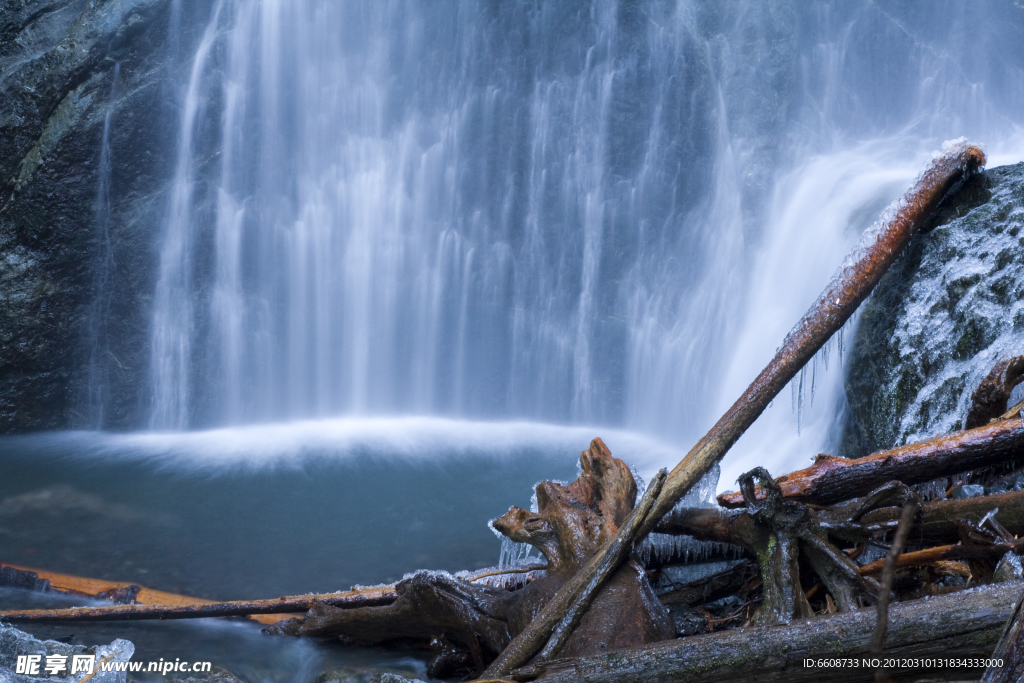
(947, 311)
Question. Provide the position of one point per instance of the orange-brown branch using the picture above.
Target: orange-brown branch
(154, 604)
(957, 551)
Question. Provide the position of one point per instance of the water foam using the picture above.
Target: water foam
(292, 444)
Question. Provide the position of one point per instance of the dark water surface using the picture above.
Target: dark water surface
(262, 512)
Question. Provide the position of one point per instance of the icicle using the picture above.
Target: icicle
(800, 399)
(665, 549)
(814, 373)
(515, 554)
(641, 485)
(792, 390)
(932, 490)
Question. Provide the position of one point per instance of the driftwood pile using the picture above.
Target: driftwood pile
(942, 583)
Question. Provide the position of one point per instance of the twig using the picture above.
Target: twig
(519, 570)
(361, 597)
(956, 551)
(888, 575)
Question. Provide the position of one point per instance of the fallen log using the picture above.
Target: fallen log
(114, 591)
(147, 603)
(831, 480)
(939, 518)
(966, 624)
(833, 308)
(940, 523)
(19, 576)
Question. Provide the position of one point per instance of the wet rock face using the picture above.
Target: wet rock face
(947, 311)
(76, 267)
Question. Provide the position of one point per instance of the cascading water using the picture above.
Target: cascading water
(97, 379)
(411, 224)
(592, 212)
(400, 235)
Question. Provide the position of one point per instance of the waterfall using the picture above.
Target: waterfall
(589, 212)
(97, 376)
(173, 324)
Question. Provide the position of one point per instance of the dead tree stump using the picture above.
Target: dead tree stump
(469, 624)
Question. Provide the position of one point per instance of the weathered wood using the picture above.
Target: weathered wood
(559, 615)
(193, 608)
(938, 523)
(778, 533)
(834, 307)
(570, 524)
(988, 402)
(579, 607)
(148, 603)
(849, 287)
(714, 524)
(1013, 412)
(939, 518)
(99, 588)
(465, 618)
(1009, 651)
(119, 591)
(831, 480)
(964, 624)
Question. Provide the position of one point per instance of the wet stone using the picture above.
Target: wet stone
(968, 491)
(946, 312)
(688, 621)
(1009, 568)
(393, 678)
